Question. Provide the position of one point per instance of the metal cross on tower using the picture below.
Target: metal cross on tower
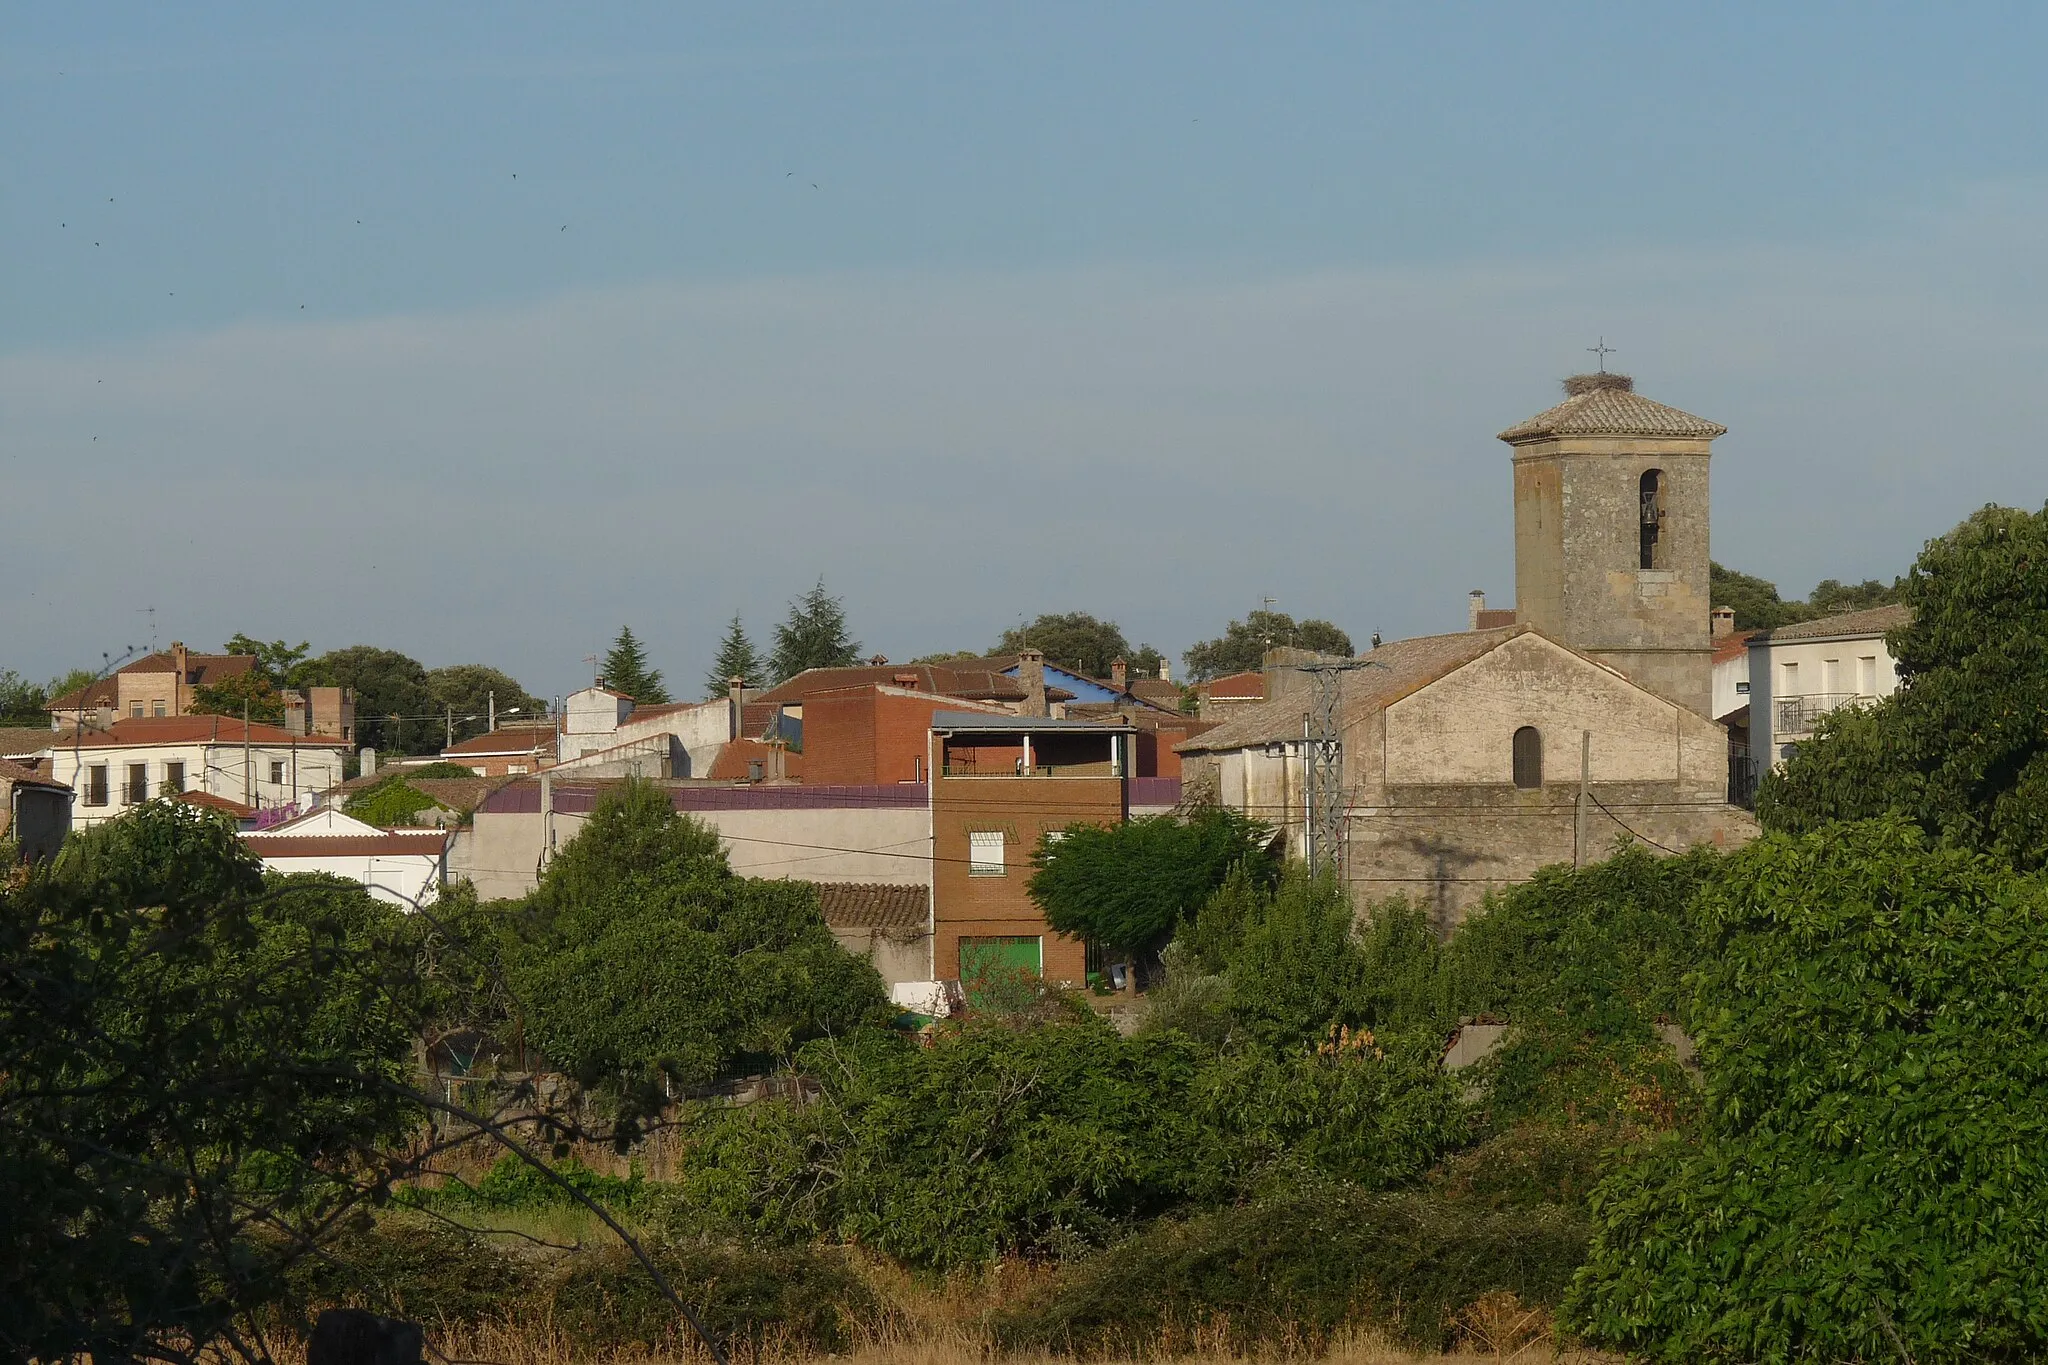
(1603, 350)
(1323, 739)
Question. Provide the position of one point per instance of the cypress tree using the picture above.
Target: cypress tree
(626, 670)
(814, 636)
(737, 658)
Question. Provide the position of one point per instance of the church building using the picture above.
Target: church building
(1464, 757)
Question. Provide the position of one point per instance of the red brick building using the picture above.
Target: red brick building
(998, 785)
(874, 733)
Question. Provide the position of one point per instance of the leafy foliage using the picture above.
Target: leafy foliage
(395, 709)
(737, 658)
(1126, 886)
(1962, 747)
(21, 701)
(192, 1064)
(805, 1298)
(1866, 1182)
(813, 635)
(1758, 606)
(240, 694)
(996, 1141)
(648, 958)
(392, 802)
(466, 693)
(1078, 640)
(626, 670)
(1242, 646)
(1294, 1269)
(1754, 600)
(512, 1184)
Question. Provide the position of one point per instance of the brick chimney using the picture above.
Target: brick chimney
(179, 665)
(1475, 603)
(1119, 675)
(907, 681)
(735, 705)
(1165, 670)
(1031, 672)
(1723, 619)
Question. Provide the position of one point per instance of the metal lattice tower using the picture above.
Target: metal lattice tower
(1323, 740)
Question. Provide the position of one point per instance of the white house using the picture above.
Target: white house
(1799, 673)
(131, 761)
(406, 867)
(605, 733)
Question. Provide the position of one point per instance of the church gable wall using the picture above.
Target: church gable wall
(1459, 730)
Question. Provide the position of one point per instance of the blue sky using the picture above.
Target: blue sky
(479, 330)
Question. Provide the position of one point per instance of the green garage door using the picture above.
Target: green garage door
(987, 961)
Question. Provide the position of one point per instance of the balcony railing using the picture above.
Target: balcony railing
(1797, 715)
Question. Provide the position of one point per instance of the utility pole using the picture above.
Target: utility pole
(494, 709)
(1579, 834)
(248, 783)
(450, 742)
(1323, 743)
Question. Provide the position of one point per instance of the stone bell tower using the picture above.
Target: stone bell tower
(1611, 533)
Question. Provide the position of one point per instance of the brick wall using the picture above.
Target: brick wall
(859, 736)
(1022, 809)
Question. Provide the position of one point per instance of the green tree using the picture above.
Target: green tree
(21, 701)
(275, 659)
(651, 960)
(1962, 747)
(995, 1140)
(394, 709)
(467, 692)
(1865, 1183)
(1127, 886)
(1755, 601)
(232, 693)
(626, 670)
(1079, 641)
(813, 636)
(1242, 646)
(1832, 598)
(199, 1074)
(737, 658)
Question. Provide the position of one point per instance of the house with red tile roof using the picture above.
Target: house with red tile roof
(35, 810)
(132, 761)
(156, 685)
(506, 751)
(406, 867)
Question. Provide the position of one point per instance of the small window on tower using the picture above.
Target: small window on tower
(1528, 758)
(1652, 488)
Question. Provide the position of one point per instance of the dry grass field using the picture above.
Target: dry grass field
(532, 1344)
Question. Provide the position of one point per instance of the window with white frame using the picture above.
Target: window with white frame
(985, 853)
(138, 783)
(277, 772)
(1866, 675)
(96, 785)
(174, 778)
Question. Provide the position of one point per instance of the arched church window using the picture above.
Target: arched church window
(1528, 758)
(1652, 489)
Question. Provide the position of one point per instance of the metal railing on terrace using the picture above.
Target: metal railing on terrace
(1798, 715)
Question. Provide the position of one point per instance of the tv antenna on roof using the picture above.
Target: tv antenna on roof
(151, 613)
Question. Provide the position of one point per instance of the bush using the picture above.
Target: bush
(1871, 1018)
(1049, 1140)
(802, 1297)
(412, 1268)
(389, 803)
(512, 1184)
(1294, 1271)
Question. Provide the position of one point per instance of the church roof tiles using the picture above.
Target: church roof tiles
(1608, 405)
